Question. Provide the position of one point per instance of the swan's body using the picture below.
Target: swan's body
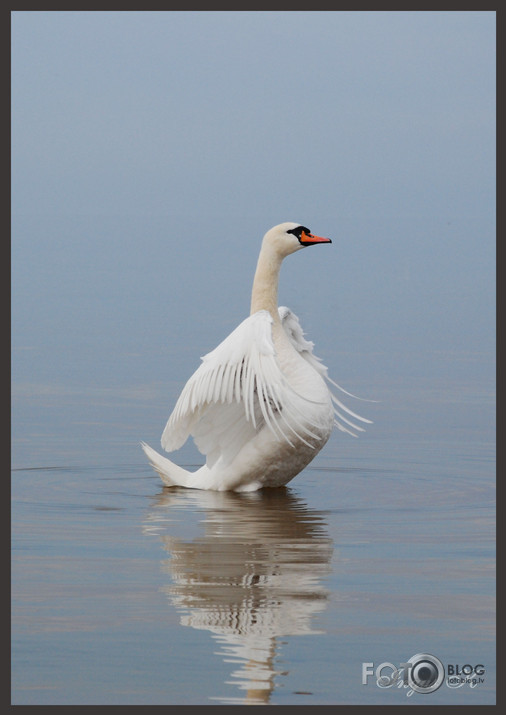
(258, 406)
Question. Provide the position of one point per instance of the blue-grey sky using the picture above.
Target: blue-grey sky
(152, 150)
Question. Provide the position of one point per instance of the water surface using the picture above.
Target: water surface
(126, 592)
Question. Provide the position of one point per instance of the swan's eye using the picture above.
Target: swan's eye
(297, 232)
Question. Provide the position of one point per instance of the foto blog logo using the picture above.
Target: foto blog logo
(422, 673)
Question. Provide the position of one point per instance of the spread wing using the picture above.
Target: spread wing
(236, 391)
(293, 329)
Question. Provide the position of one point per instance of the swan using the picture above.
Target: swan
(259, 406)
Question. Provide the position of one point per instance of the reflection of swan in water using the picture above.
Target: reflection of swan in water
(253, 576)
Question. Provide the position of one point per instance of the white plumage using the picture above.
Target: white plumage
(259, 406)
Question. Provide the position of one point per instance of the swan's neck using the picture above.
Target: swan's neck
(264, 295)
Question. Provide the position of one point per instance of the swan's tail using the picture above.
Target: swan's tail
(170, 474)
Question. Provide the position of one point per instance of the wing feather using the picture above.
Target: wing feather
(237, 389)
(293, 329)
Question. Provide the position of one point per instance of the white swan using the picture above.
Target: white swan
(258, 406)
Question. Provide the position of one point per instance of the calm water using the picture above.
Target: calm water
(125, 592)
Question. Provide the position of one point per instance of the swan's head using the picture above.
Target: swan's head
(289, 237)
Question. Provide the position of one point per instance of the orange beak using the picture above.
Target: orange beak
(309, 239)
